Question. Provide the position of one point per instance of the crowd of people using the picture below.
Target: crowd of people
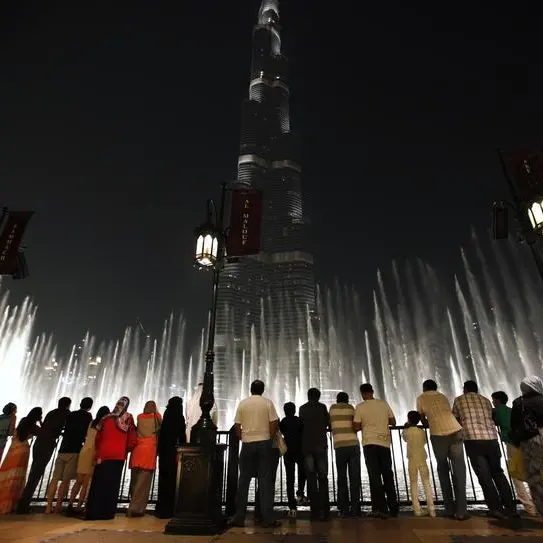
(474, 423)
(93, 452)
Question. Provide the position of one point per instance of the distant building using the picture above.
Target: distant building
(270, 295)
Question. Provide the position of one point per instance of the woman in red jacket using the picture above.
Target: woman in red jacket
(116, 437)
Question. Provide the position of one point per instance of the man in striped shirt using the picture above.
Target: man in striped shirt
(347, 455)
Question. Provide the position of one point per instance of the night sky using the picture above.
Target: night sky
(118, 122)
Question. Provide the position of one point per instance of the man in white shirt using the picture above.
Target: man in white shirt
(446, 437)
(256, 423)
(374, 417)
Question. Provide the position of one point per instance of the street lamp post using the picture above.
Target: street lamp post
(198, 504)
(210, 250)
(529, 216)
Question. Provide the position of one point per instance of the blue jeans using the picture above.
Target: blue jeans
(255, 457)
(348, 459)
(316, 471)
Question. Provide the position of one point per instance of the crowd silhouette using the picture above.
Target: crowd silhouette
(92, 453)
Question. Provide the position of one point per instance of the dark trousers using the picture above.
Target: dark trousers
(383, 492)
(449, 448)
(290, 470)
(104, 490)
(255, 457)
(348, 461)
(274, 464)
(316, 471)
(484, 456)
(41, 455)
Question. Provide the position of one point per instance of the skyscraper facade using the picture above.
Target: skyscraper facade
(268, 298)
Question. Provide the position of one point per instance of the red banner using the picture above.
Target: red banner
(10, 240)
(526, 171)
(245, 221)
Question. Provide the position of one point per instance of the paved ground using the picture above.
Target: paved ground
(405, 529)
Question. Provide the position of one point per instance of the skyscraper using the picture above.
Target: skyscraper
(272, 294)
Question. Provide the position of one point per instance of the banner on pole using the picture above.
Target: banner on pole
(525, 169)
(245, 223)
(10, 240)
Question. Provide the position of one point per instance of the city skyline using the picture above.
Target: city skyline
(120, 127)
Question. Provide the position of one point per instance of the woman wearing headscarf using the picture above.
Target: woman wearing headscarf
(194, 411)
(85, 463)
(115, 438)
(172, 434)
(15, 465)
(8, 420)
(527, 432)
(143, 459)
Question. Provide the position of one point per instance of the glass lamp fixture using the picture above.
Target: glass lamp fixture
(535, 213)
(207, 245)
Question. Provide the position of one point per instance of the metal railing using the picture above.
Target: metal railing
(230, 477)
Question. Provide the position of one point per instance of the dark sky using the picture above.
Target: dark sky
(118, 121)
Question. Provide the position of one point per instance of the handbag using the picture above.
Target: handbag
(279, 443)
(516, 466)
(529, 427)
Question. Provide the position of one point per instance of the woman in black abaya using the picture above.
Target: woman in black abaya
(172, 434)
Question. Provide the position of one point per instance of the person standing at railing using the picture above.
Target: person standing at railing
(65, 470)
(316, 423)
(43, 450)
(291, 427)
(415, 438)
(15, 464)
(347, 451)
(85, 463)
(474, 412)
(143, 459)
(446, 437)
(374, 417)
(502, 418)
(256, 423)
(8, 421)
(527, 433)
(116, 437)
(172, 434)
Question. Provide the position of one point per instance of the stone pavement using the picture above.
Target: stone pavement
(405, 529)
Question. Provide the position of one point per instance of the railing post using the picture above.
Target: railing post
(232, 473)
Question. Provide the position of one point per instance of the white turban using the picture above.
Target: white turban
(531, 384)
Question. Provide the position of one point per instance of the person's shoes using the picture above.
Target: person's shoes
(394, 514)
(497, 514)
(462, 517)
(301, 500)
(418, 513)
(432, 513)
(271, 524)
(356, 513)
(380, 514)
(235, 523)
(445, 514)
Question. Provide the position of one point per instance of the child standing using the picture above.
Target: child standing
(416, 457)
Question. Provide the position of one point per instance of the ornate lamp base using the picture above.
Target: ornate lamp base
(198, 509)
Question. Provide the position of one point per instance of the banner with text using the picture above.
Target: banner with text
(245, 223)
(526, 171)
(10, 240)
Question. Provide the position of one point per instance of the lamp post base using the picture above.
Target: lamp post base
(198, 509)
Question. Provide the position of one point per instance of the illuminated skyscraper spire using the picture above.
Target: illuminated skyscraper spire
(269, 12)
